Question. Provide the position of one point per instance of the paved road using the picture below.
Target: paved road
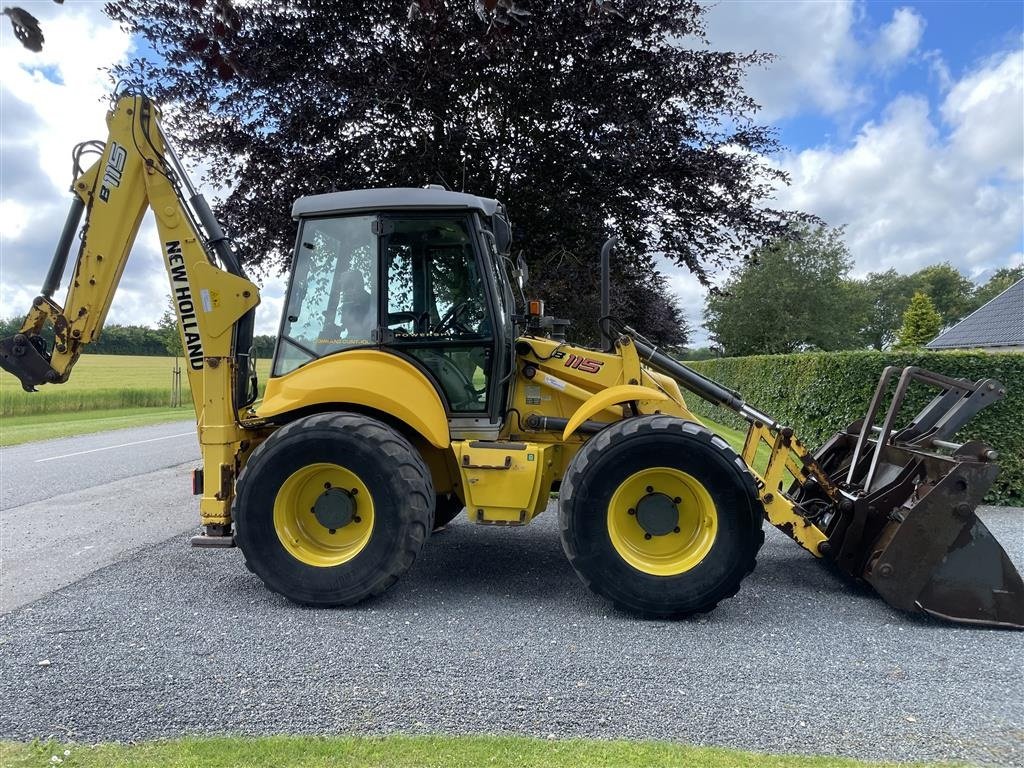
(37, 471)
(492, 632)
(71, 506)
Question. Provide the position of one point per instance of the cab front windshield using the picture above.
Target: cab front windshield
(332, 300)
(433, 309)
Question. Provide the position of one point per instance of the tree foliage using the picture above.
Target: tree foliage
(169, 329)
(792, 295)
(871, 309)
(885, 297)
(584, 117)
(950, 292)
(921, 322)
(1000, 280)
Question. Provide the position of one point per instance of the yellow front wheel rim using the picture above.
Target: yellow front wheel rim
(323, 515)
(662, 521)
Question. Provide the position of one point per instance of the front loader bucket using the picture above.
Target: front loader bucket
(906, 523)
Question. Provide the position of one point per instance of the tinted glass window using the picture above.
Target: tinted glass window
(437, 307)
(333, 299)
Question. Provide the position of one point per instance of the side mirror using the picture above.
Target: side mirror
(502, 233)
(522, 272)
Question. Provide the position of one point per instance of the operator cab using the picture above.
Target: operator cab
(416, 272)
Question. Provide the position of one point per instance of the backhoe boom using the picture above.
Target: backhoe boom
(135, 172)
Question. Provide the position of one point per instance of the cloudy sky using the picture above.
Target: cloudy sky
(902, 121)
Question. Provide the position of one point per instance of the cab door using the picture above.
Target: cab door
(438, 307)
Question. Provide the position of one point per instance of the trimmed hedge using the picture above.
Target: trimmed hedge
(820, 393)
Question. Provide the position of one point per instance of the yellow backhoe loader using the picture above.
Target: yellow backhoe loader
(408, 385)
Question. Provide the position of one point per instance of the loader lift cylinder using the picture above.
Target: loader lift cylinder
(700, 385)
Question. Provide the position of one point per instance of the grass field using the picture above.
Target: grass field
(15, 430)
(399, 752)
(104, 392)
(101, 382)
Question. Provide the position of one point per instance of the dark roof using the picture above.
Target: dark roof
(1000, 323)
(390, 198)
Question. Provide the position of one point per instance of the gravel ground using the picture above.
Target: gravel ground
(491, 632)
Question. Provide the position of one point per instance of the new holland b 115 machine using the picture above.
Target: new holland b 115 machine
(408, 384)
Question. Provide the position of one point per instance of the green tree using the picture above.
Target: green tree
(791, 295)
(167, 328)
(1001, 280)
(585, 117)
(698, 353)
(921, 322)
(886, 296)
(951, 293)
(10, 326)
(264, 346)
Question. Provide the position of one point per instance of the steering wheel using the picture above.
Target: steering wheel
(452, 319)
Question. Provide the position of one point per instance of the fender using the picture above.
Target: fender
(623, 393)
(366, 377)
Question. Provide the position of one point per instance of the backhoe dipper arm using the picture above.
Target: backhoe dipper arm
(137, 170)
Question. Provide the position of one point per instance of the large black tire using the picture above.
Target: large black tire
(394, 474)
(447, 509)
(636, 445)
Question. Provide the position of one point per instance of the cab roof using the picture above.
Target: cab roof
(392, 198)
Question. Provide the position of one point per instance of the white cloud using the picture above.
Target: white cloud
(815, 48)
(913, 186)
(49, 102)
(938, 69)
(899, 37)
(986, 111)
(911, 195)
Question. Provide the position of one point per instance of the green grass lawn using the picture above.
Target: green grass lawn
(15, 430)
(398, 752)
(104, 392)
(733, 437)
(101, 382)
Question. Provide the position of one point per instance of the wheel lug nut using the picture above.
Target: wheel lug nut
(357, 519)
(355, 491)
(313, 510)
(631, 511)
(332, 530)
(327, 485)
(677, 500)
(676, 529)
(647, 536)
(650, 489)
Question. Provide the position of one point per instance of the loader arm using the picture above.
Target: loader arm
(214, 301)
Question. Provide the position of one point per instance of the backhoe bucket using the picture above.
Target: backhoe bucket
(906, 522)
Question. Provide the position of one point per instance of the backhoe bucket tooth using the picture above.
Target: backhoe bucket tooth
(904, 518)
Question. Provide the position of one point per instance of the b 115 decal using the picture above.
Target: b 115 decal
(115, 168)
(585, 364)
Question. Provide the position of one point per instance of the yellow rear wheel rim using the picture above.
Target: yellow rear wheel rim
(662, 553)
(301, 532)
